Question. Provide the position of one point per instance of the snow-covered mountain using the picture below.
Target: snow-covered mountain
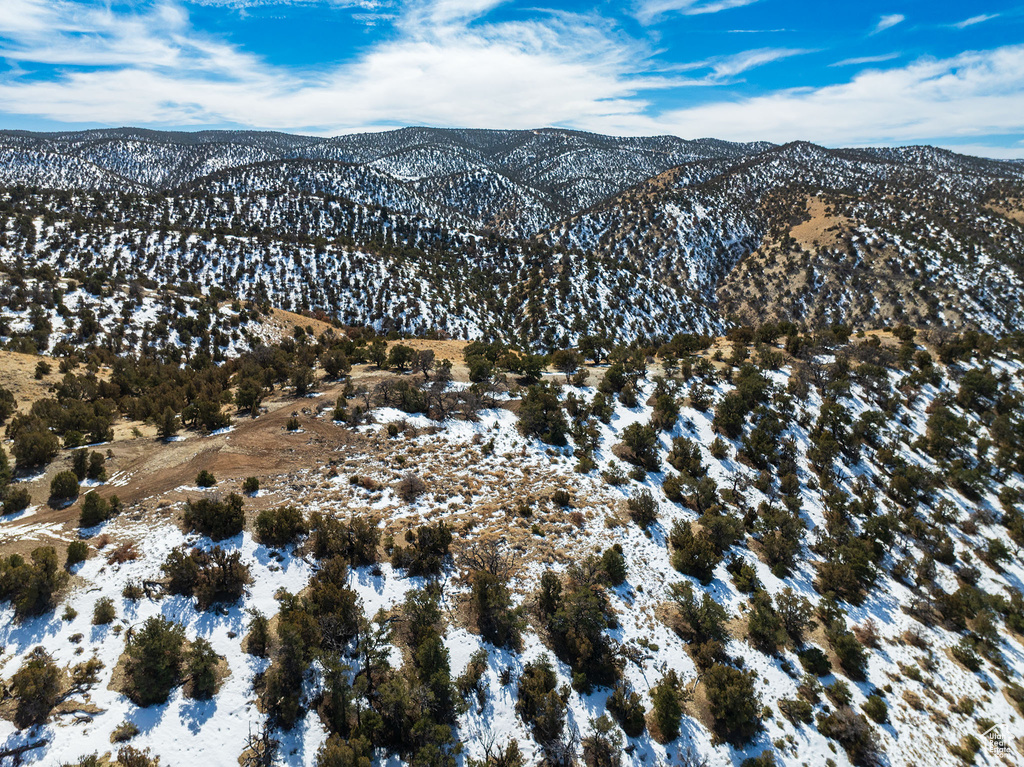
(813, 235)
(518, 181)
(234, 533)
(536, 237)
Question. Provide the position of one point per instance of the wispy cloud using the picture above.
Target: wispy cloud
(70, 33)
(453, 69)
(866, 60)
(447, 11)
(365, 4)
(723, 70)
(887, 22)
(731, 66)
(964, 97)
(649, 11)
(981, 18)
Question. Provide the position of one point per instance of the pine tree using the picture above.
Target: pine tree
(6, 473)
(168, 424)
(764, 626)
(667, 710)
(733, 702)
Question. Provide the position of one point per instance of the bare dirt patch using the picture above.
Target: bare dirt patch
(1013, 210)
(17, 374)
(822, 229)
(281, 324)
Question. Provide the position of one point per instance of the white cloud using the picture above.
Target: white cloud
(157, 70)
(730, 66)
(66, 33)
(988, 150)
(149, 66)
(866, 60)
(242, 4)
(443, 11)
(888, 21)
(648, 11)
(424, 15)
(975, 20)
(721, 70)
(975, 94)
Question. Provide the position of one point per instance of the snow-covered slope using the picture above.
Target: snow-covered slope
(539, 236)
(919, 211)
(933, 577)
(530, 178)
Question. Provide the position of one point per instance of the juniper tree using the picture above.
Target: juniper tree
(733, 703)
(36, 686)
(155, 655)
(667, 711)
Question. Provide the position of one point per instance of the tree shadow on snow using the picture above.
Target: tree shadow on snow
(32, 630)
(365, 577)
(43, 736)
(195, 713)
(98, 634)
(146, 719)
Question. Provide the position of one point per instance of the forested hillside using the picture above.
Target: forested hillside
(508, 448)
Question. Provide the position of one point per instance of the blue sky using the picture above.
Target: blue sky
(851, 74)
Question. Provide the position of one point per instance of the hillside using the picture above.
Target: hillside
(906, 236)
(459, 448)
(515, 181)
(531, 236)
(877, 479)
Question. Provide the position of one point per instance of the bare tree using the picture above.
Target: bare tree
(490, 557)
(690, 757)
(260, 748)
(423, 362)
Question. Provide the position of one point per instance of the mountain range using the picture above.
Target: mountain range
(236, 526)
(533, 236)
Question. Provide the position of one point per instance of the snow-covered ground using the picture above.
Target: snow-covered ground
(185, 731)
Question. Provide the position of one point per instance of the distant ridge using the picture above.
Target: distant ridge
(538, 236)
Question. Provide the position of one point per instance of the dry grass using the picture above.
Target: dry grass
(17, 374)
(1014, 210)
(867, 634)
(282, 324)
(123, 552)
(915, 638)
(698, 706)
(913, 700)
